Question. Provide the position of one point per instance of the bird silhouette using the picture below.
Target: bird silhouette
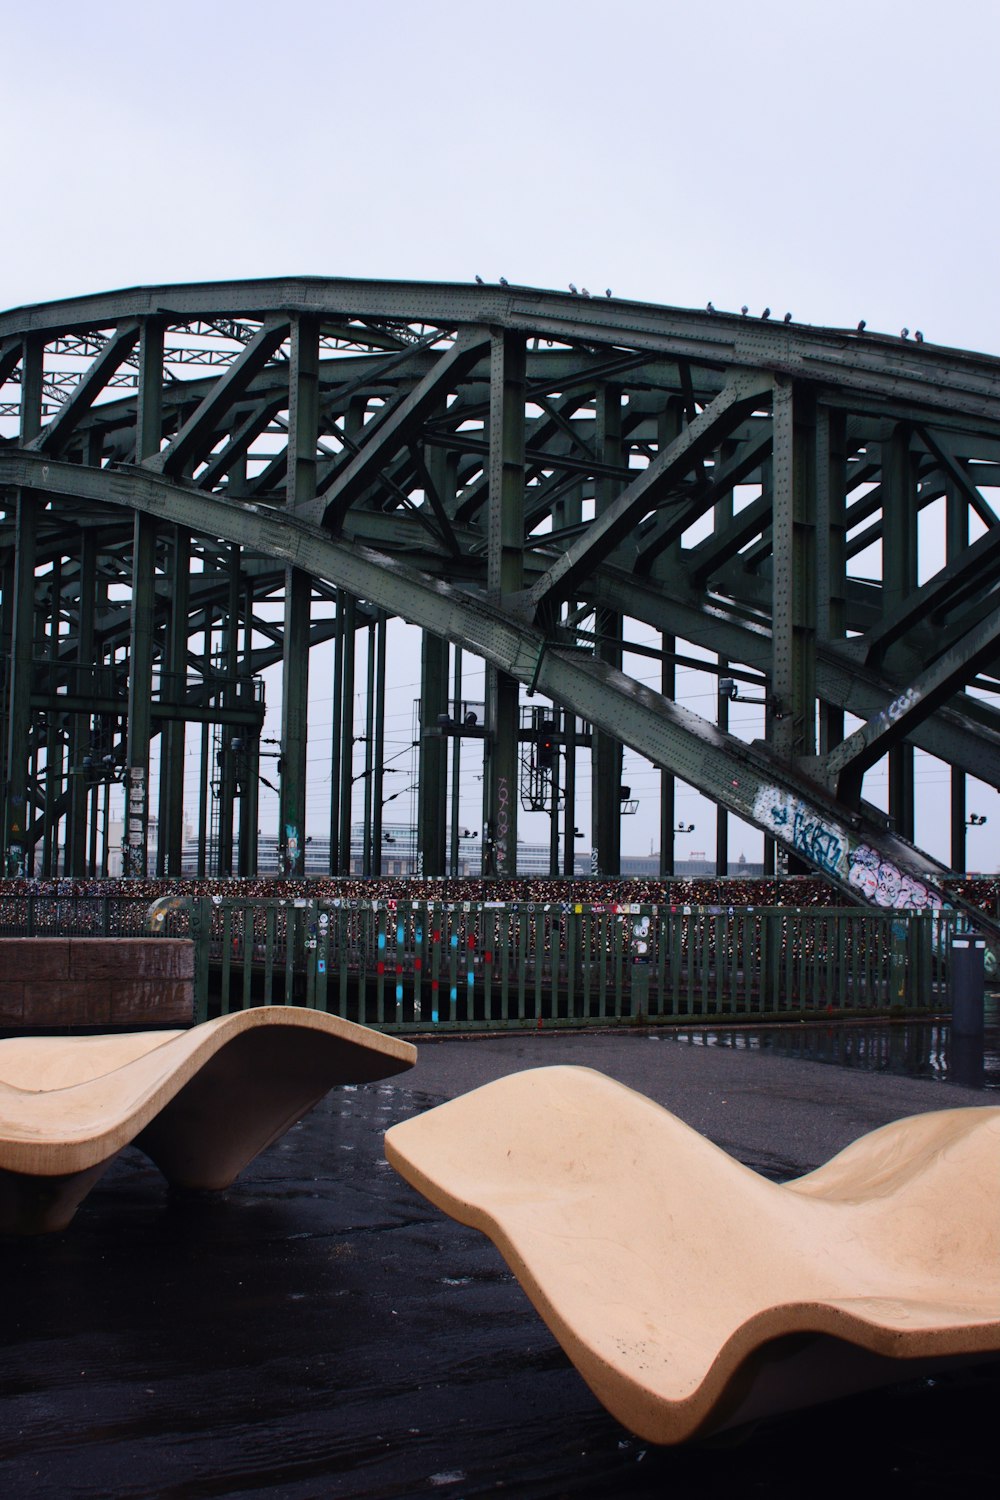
(787, 318)
(919, 336)
(584, 292)
(480, 281)
(744, 309)
(904, 333)
(607, 291)
(709, 307)
(572, 289)
(504, 281)
(861, 326)
(766, 313)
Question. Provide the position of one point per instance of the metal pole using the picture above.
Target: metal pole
(335, 735)
(456, 759)
(379, 749)
(347, 737)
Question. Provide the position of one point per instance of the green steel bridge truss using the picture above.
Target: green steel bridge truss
(523, 474)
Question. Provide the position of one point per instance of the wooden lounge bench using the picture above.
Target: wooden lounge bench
(693, 1294)
(201, 1103)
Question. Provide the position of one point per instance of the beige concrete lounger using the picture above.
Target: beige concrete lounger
(693, 1294)
(201, 1103)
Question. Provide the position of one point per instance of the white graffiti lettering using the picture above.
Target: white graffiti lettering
(503, 825)
(899, 705)
(883, 884)
(791, 821)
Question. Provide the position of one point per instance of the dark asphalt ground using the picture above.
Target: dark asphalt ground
(321, 1330)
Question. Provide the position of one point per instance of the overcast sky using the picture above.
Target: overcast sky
(833, 160)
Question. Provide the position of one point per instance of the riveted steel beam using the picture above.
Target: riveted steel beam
(876, 365)
(56, 434)
(741, 777)
(303, 411)
(504, 579)
(393, 431)
(197, 435)
(926, 693)
(976, 570)
(888, 425)
(742, 394)
(140, 694)
(727, 540)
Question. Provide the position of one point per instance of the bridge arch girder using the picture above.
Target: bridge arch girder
(734, 465)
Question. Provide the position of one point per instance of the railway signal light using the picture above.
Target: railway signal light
(546, 747)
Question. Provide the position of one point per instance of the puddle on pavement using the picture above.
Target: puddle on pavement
(912, 1049)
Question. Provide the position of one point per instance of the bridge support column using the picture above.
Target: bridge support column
(607, 751)
(19, 858)
(956, 541)
(294, 715)
(17, 817)
(831, 553)
(226, 770)
(140, 693)
(899, 579)
(170, 842)
(346, 747)
(505, 575)
(80, 723)
(432, 785)
(793, 669)
(793, 672)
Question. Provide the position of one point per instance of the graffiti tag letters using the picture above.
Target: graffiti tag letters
(791, 821)
(884, 884)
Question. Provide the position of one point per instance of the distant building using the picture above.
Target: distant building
(399, 858)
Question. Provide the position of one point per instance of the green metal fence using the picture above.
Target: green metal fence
(424, 966)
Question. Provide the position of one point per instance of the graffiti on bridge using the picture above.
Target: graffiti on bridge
(824, 844)
(884, 884)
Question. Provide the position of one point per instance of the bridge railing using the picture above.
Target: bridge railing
(34, 915)
(489, 965)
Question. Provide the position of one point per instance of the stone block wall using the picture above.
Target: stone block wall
(66, 981)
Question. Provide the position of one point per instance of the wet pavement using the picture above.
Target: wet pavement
(925, 1048)
(320, 1329)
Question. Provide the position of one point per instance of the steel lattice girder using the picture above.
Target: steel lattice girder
(401, 371)
(736, 775)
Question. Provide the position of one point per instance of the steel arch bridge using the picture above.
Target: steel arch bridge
(523, 474)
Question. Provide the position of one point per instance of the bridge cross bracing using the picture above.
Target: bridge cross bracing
(529, 476)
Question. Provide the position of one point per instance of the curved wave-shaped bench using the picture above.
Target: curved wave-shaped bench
(201, 1103)
(692, 1293)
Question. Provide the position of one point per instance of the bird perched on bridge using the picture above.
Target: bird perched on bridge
(744, 309)
(904, 333)
(504, 281)
(573, 289)
(787, 318)
(584, 292)
(919, 336)
(709, 307)
(480, 281)
(862, 326)
(766, 313)
(607, 291)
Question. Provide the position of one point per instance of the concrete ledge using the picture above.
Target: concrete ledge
(96, 982)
